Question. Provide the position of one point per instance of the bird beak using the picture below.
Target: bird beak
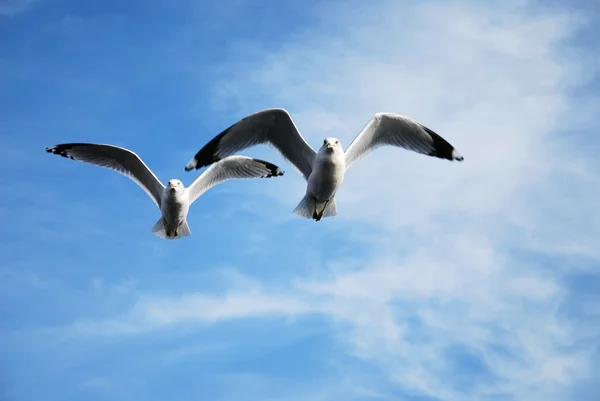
(171, 186)
(329, 146)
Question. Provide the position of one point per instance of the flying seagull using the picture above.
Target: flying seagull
(174, 200)
(323, 170)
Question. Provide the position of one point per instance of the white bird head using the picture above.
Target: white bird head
(175, 185)
(331, 145)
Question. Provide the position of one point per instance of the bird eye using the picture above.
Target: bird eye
(337, 142)
(324, 141)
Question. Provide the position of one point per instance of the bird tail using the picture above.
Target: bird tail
(331, 209)
(306, 208)
(160, 230)
(184, 230)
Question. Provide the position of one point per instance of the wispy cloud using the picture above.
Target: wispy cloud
(420, 318)
(437, 280)
(159, 312)
(496, 81)
(10, 8)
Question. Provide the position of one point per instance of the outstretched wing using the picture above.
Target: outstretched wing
(271, 126)
(115, 158)
(396, 130)
(231, 167)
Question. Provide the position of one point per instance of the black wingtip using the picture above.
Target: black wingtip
(62, 149)
(274, 171)
(442, 148)
(194, 164)
(208, 154)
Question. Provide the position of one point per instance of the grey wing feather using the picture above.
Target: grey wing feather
(401, 131)
(271, 126)
(115, 158)
(231, 167)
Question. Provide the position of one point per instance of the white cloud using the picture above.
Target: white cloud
(442, 287)
(459, 298)
(495, 81)
(151, 313)
(211, 309)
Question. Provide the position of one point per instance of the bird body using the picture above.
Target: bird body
(328, 171)
(324, 181)
(174, 209)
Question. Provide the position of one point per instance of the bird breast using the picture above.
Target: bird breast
(326, 177)
(174, 208)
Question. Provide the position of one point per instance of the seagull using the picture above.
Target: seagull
(174, 200)
(323, 170)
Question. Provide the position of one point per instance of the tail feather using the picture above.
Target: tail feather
(160, 230)
(184, 230)
(306, 208)
(331, 209)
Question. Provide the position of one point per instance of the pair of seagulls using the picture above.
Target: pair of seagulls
(323, 170)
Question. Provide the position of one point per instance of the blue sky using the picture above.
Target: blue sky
(437, 281)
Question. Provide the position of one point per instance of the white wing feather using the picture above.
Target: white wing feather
(401, 131)
(271, 126)
(115, 158)
(228, 168)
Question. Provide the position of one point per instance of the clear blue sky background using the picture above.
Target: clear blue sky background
(437, 281)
